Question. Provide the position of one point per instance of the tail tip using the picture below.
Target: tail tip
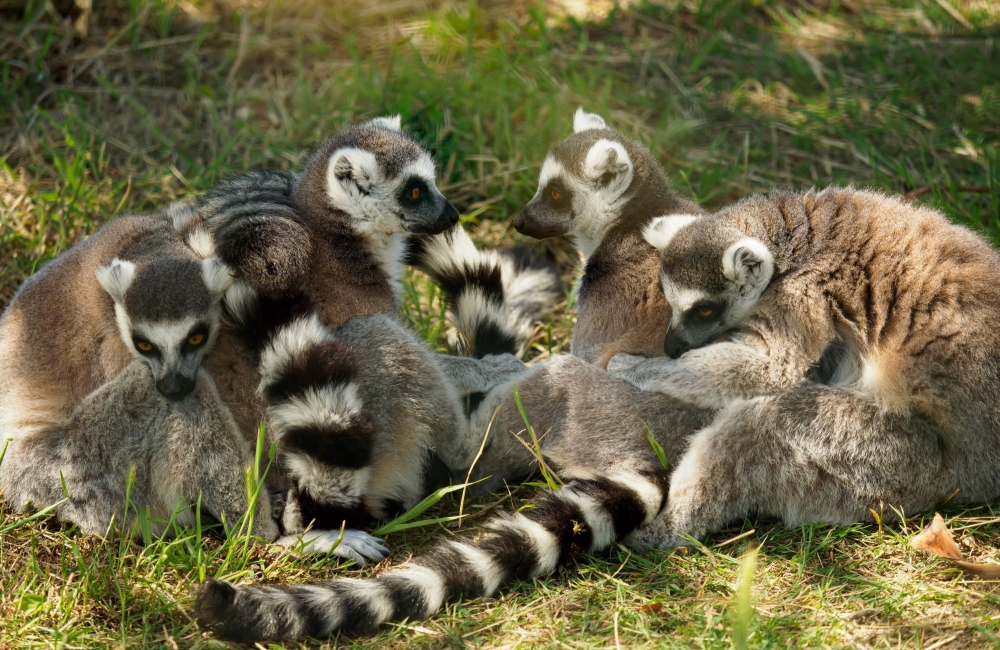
(214, 601)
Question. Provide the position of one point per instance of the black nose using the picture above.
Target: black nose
(674, 346)
(175, 387)
(519, 222)
(450, 212)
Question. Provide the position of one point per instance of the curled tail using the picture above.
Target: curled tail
(495, 297)
(326, 438)
(585, 515)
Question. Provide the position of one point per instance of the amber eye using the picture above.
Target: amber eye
(197, 339)
(555, 195)
(705, 312)
(144, 346)
(415, 193)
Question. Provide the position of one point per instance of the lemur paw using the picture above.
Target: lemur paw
(622, 366)
(356, 545)
(504, 367)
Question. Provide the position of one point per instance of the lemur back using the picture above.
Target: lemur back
(317, 256)
(896, 302)
(115, 330)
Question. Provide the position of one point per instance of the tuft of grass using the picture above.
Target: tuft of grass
(156, 101)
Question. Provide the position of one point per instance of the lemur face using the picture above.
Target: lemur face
(711, 274)
(168, 312)
(385, 181)
(582, 186)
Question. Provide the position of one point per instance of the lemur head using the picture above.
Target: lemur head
(382, 179)
(712, 274)
(168, 311)
(586, 182)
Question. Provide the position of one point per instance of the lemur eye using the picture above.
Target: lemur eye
(144, 346)
(415, 193)
(197, 339)
(556, 195)
(705, 312)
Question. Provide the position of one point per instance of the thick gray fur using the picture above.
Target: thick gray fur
(858, 365)
(79, 403)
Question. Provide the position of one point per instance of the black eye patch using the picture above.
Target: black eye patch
(196, 338)
(414, 191)
(706, 311)
(557, 195)
(144, 347)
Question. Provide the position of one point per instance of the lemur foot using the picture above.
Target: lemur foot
(356, 545)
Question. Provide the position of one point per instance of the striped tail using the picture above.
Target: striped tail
(585, 515)
(326, 438)
(495, 297)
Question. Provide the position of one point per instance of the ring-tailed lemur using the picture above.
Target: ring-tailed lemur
(899, 305)
(348, 390)
(602, 188)
(596, 439)
(100, 355)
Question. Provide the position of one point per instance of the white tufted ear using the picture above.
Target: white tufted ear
(390, 122)
(749, 265)
(116, 278)
(609, 166)
(351, 167)
(584, 121)
(661, 230)
(217, 276)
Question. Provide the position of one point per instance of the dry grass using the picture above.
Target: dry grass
(157, 100)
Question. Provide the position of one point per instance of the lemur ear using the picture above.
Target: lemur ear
(609, 165)
(661, 230)
(390, 122)
(584, 121)
(217, 276)
(352, 166)
(116, 278)
(749, 265)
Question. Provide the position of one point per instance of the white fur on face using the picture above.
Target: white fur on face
(357, 185)
(596, 205)
(680, 299)
(170, 337)
(116, 278)
(661, 230)
(584, 121)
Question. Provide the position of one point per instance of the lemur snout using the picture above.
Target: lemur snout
(175, 386)
(673, 345)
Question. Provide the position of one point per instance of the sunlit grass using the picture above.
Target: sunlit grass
(159, 100)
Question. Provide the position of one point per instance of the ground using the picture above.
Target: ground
(140, 103)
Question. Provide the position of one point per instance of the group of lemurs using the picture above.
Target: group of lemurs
(813, 356)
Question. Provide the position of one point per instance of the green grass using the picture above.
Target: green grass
(158, 100)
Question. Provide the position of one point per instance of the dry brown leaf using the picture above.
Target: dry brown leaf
(937, 539)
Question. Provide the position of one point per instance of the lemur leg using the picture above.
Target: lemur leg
(811, 454)
(468, 375)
